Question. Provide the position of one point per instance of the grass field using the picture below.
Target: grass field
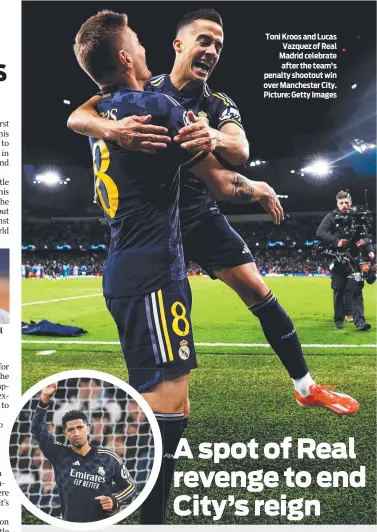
(239, 392)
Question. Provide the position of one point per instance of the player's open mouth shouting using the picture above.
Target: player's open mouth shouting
(203, 67)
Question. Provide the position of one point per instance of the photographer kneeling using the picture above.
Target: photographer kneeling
(340, 229)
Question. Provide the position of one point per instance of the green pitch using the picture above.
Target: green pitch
(238, 392)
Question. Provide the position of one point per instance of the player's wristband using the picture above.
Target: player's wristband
(115, 503)
(41, 404)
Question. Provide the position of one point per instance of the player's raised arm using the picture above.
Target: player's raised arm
(133, 133)
(39, 429)
(227, 185)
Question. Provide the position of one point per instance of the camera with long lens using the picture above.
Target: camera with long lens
(354, 225)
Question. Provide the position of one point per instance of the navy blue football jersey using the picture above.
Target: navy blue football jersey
(218, 109)
(140, 197)
(80, 479)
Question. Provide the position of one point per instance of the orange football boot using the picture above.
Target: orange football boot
(320, 396)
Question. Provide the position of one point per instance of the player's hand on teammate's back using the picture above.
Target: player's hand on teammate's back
(198, 135)
(106, 502)
(48, 392)
(342, 243)
(271, 204)
(136, 133)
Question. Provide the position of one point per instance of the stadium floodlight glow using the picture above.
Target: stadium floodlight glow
(263, 162)
(318, 168)
(66, 102)
(354, 86)
(292, 171)
(49, 178)
(257, 162)
(252, 163)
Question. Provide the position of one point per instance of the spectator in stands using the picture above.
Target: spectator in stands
(100, 427)
(90, 397)
(116, 442)
(285, 249)
(43, 494)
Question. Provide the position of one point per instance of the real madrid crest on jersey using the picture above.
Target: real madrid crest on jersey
(101, 471)
(184, 350)
(203, 116)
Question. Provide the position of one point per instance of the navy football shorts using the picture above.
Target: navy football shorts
(155, 333)
(213, 244)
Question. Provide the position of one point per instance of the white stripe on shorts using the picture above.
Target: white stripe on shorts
(158, 327)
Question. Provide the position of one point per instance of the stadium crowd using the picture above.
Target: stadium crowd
(59, 250)
(84, 234)
(77, 234)
(61, 264)
(117, 423)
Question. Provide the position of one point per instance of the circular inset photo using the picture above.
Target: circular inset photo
(85, 448)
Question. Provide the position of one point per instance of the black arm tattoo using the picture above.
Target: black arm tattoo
(243, 191)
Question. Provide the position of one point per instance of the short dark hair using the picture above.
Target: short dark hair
(343, 194)
(72, 415)
(95, 44)
(200, 14)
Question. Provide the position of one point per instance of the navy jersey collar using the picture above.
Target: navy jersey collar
(114, 88)
(191, 93)
(88, 456)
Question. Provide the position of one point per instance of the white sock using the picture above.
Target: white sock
(302, 385)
